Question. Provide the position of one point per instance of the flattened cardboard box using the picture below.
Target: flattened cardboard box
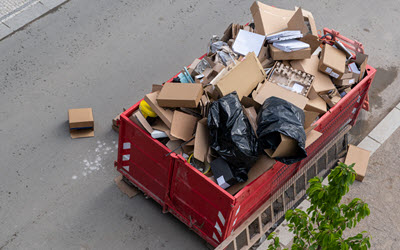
(332, 62)
(138, 118)
(81, 122)
(242, 78)
(180, 95)
(164, 114)
(360, 157)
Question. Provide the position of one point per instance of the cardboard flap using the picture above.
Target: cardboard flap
(262, 165)
(201, 140)
(312, 40)
(312, 136)
(183, 125)
(81, 133)
(138, 118)
(310, 117)
(252, 116)
(164, 114)
(297, 22)
(287, 148)
(361, 60)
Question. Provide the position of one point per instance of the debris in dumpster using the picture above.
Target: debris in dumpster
(138, 118)
(156, 87)
(315, 102)
(269, 20)
(222, 173)
(247, 42)
(280, 130)
(242, 78)
(164, 114)
(146, 110)
(262, 165)
(81, 122)
(183, 125)
(360, 157)
(201, 141)
(231, 135)
(331, 98)
(174, 95)
(269, 89)
(322, 83)
(292, 79)
(332, 61)
(310, 118)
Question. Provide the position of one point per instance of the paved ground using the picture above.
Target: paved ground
(105, 55)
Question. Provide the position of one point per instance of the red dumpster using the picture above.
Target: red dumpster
(201, 204)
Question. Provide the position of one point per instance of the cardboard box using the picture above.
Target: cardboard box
(242, 78)
(156, 87)
(269, 19)
(165, 114)
(344, 82)
(201, 143)
(278, 54)
(287, 147)
(183, 125)
(332, 62)
(360, 157)
(322, 83)
(271, 89)
(222, 173)
(176, 95)
(81, 123)
(361, 61)
(248, 102)
(262, 165)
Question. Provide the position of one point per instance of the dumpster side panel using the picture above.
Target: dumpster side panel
(142, 159)
(345, 112)
(206, 206)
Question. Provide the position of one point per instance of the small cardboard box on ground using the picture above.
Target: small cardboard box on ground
(180, 95)
(360, 157)
(81, 123)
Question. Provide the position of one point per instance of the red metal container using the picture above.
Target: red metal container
(198, 202)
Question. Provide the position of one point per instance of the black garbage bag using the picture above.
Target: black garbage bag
(278, 116)
(231, 135)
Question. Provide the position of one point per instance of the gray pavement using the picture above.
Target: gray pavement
(105, 55)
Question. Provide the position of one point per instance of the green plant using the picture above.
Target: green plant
(322, 226)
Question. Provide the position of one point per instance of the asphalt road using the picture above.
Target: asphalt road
(58, 193)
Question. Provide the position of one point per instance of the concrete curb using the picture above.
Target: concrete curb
(27, 15)
(371, 142)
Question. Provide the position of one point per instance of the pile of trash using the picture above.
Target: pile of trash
(257, 94)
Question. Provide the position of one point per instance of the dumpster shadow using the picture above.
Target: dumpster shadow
(137, 222)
